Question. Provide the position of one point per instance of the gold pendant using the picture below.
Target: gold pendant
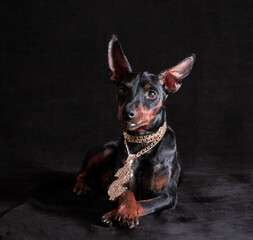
(124, 175)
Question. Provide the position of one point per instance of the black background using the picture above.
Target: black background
(57, 100)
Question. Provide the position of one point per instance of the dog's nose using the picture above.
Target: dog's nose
(128, 115)
(131, 114)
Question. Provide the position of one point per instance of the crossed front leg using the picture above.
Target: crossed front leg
(127, 214)
(129, 210)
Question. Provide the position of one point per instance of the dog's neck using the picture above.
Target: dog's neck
(158, 121)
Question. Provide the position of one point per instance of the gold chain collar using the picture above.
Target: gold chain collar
(125, 173)
(153, 138)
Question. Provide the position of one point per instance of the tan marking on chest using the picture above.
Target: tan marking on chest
(159, 183)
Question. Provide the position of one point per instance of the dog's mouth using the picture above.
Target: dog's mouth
(131, 126)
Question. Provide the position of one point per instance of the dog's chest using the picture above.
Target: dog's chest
(148, 178)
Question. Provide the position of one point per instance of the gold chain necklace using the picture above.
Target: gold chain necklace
(125, 173)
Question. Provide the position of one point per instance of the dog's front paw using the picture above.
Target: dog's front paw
(109, 218)
(124, 216)
(81, 187)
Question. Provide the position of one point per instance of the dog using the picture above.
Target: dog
(142, 169)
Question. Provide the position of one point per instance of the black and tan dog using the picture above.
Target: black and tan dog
(147, 149)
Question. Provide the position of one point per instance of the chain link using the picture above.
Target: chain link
(156, 137)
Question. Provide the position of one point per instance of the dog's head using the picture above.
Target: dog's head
(140, 96)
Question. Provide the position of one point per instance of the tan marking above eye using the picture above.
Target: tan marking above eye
(147, 86)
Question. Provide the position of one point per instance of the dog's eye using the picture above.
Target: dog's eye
(123, 90)
(151, 94)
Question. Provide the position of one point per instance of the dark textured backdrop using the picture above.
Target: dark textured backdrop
(57, 100)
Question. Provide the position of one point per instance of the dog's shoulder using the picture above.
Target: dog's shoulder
(169, 140)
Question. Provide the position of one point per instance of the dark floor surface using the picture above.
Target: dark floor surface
(213, 204)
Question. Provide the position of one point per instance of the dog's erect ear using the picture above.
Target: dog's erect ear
(118, 63)
(171, 78)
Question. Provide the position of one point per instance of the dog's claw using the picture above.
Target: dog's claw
(126, 221)
(136, 221)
